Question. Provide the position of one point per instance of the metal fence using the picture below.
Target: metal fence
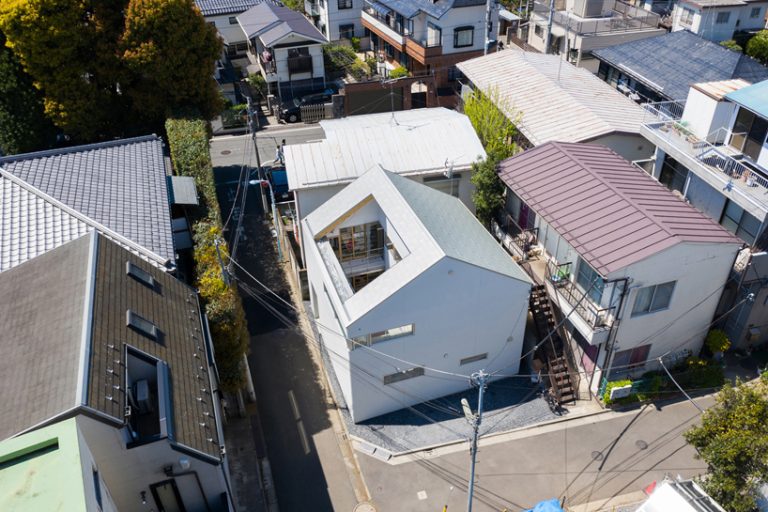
(615, 16)
(316, 113)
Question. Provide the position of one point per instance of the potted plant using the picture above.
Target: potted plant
(717, 342)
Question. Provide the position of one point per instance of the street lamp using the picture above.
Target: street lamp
(275, 220)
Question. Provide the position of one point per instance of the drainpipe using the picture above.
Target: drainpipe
(610, 344)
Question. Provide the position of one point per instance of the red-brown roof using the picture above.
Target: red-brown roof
(612, 213)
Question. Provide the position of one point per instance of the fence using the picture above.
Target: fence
(616, 17)
(316, 113)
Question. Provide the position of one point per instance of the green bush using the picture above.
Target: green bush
(398, 72)
(355, 44)
(651, 387)
(699, 373)
(617, 384)
(372, 65)
(717, 341)
(188, 142)
(337, 57)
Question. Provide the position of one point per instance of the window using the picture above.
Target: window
(434, 35)
(590, 281)
(346, 31)
(97, 487)
(389, 334)
(403, 375)
(686, 16)
(449, 186)
(723, 17)
(538, 31)
(140, 274)
(345, 4)
(625, 360)
(463, 37)
(233, 20)
(361, 241)
(739, 222)
(454, 74)
(653, 298)
(148, 397)
(755, 12)
(473, 359)
(235, 50)
(142, 325)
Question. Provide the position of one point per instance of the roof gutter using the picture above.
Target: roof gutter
(81, 397)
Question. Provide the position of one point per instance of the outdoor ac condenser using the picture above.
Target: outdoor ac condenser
(142, 394)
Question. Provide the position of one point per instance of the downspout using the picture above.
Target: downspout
(611, 343)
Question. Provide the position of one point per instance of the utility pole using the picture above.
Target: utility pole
(548, 39)
(253, 125)
(479, 379)
(488, 25)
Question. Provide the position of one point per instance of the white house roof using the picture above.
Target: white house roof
(271, 23)
(432, 225)
(576, 107)
(419, 141)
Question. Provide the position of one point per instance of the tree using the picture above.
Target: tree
(731, 45)
(757, 47)
(489, 113)
(23, 125)
(733, 440)
(489, 190)
(170, 52)
(399, 72)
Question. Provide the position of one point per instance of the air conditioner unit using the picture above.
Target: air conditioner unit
(753, 335)
(142, 395)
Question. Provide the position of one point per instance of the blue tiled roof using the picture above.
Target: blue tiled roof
(671, 63)
(754, 97)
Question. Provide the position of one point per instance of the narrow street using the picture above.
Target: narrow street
(307, 466)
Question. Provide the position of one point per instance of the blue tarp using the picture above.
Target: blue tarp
(552, 505)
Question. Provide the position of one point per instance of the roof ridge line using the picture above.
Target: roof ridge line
(77, 149)
(109, 233)
(613, 188)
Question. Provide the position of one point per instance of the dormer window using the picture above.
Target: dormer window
(142, 325)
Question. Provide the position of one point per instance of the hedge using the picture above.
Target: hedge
(188, 141)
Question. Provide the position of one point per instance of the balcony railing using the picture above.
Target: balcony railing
(663, 111)
(513, 236)
(559, 275)
(622, 18)
(267, 65)
(311, 8)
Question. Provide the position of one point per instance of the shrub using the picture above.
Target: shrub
(398, 72)
(258, 83)
(355, 44)
(731, 45)
(337, 57)
(372, 65)
(699, 373)
(717, 341)
(651, 387)
(617, 384)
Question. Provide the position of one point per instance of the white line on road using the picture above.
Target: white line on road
(294, 405)
(270, 132)
(303, 436)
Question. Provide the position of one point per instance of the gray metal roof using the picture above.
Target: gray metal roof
(271, 23)
(119, 184)
(410, 8)
(41, 333)
(183, 190)
(669, 64)
(220, 7)
(611, 212)
(550, 101)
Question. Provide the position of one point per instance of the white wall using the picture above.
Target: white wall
(705, 114)
(473, 16)
(630, 146)
(281, 61)
(705, 20)
(128, 472)
(232, 33)
(332, 17)
(88, 465)
(462, 311)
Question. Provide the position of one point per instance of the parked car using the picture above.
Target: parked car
(291, 111)
(275, 173)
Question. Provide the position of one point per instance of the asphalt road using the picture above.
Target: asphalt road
(588, 460)
(308, 470)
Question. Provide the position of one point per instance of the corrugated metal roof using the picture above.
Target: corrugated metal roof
(430, 223)
(754, 98)
(612, 213)
(669, 64)
(718, 90)
(220, 7)
(271, 22)
(575, 107)
(183, 190)
(406, 142)
(118, 184)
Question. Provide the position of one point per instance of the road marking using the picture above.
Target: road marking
(294, 405)
(422, 495)
(303, 436)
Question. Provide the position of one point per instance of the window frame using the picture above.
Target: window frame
(722, 17)
(755, 12)
(434, 30)
(233, 20)
(140, 275)
(346, 29)
(458, 31)
(650, 308)
(343, 5)
(141, 325)
(400, 331)
(629, 355)
(686, 16)
(599, 283)
(410, 373)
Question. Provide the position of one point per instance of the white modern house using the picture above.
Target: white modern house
(336, 19)
(719, 20)
(404, 281)
(285, 48)
(620, 256)
(434, 146)
(222, 14)
(549, 101)
(713, 151)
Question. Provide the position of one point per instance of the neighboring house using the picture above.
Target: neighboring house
(222, 14)
(549, 101)
(92, 332)
(401, 272)
(429, 37)
(680, 496)
(620, 256)
(719, 20)
(663, 68)
(119, 188)
(285, 48)
(715, 155)
(434, 146)
(52, 468)
(336, 19)
(581, 26)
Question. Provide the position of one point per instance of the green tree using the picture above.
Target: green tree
(757, 47)
(733, 440)
(732, 45)
(489, 190)
(171, 54)
(23, 125)
(489, 113)
(399, 72)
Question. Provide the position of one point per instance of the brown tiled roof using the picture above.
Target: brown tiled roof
(612, 213)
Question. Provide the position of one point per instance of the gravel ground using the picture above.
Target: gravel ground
(508, 404)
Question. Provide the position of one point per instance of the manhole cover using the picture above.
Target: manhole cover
(364, 507)
(226, 152)
(597, 455)
(641, 444)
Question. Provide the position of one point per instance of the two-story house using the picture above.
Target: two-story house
(622, 259)
(400, 273)
(719, 20)
(91, 331)
(581, 26)
(429, 37)
(662, 68)
(336, 19)
(222, 14)
(285, 48)
(714, 153)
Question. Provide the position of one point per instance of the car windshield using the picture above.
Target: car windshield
(296, 102)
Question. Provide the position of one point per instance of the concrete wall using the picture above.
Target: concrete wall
(630, 146)
(232, 33)
(331, 17)
(704, 197)
(128, 472)
(705, 24)
(705, 115)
